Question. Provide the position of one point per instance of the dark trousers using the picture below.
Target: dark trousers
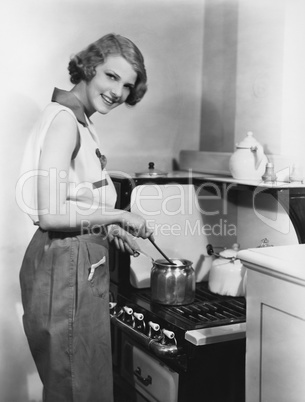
(66, 315)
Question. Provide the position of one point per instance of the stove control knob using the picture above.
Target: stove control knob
(154, 326)
(139, 316)
(128, 317)
(153, 330)
(168, 334)
(112, 306)
(139, 323)
(168, 337)
(128, 310)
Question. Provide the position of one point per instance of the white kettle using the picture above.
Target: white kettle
(248, 162)
(227, 276)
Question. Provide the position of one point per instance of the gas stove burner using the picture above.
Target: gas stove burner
(207, 310)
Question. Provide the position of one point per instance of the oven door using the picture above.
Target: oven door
(153, 380)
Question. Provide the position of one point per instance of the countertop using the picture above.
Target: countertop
(220, 178)
(285, 261)
(255, 183)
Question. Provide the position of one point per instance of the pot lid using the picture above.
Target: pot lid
(228, 253)
(248, 142)
(151, 172)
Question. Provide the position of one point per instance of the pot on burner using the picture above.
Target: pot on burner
(173, 284)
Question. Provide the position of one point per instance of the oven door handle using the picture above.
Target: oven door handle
(145, 381)
(206, 336)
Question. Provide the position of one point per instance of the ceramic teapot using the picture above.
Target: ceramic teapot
(248, 162)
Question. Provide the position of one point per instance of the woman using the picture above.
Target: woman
(64, 276)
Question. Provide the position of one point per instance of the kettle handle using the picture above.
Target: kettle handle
(259, 154)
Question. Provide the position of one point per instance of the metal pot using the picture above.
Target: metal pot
(173, 284)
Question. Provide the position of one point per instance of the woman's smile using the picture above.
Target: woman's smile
(108, 100)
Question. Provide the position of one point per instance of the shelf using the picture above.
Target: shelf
(291, 196)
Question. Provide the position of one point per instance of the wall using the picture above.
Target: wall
(270, 75)
(37, 39)
(219, 75)
(243, 68)
(253, 76)
(293, 121)
(260, 59)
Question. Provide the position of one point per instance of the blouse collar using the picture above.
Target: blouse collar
(68, 99)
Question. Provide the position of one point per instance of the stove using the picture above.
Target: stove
(205, 337)
(166, 330)
(167, 353)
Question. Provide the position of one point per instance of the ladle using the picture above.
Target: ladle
(160, 251)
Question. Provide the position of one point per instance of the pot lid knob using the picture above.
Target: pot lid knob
(151, 172)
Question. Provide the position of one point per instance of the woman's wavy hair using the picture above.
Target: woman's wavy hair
(82, 65)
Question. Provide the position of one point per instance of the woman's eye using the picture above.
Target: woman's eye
(111, 76)
(128, 86)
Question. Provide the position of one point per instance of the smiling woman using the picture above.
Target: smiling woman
(65, 274)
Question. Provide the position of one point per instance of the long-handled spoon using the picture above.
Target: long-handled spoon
(161, 252)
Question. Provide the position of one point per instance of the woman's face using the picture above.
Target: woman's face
(110, 86)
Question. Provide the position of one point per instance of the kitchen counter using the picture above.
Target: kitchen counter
(251, 183)
(275, 359)
(286, 262)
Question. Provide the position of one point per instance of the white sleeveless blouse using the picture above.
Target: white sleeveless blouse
(89, 188)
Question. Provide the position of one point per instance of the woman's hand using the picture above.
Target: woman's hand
(136, 225)
(123, 240)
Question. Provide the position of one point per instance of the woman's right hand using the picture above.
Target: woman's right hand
(136, 225)
(123, 240)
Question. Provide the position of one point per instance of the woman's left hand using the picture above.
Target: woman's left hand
(123, 240)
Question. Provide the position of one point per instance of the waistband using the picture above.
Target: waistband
(98, 232)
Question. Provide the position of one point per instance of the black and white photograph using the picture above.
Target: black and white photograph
(153, 201)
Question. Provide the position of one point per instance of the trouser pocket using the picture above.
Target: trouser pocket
(98, 269)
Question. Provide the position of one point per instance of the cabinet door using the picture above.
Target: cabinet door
(275, 360)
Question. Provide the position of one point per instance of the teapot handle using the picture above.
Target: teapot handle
(259, 154)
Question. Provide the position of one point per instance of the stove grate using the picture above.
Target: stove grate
(208, 309)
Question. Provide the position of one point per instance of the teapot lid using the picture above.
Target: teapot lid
(248, 142)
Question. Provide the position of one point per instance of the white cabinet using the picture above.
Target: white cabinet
(275, 357)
